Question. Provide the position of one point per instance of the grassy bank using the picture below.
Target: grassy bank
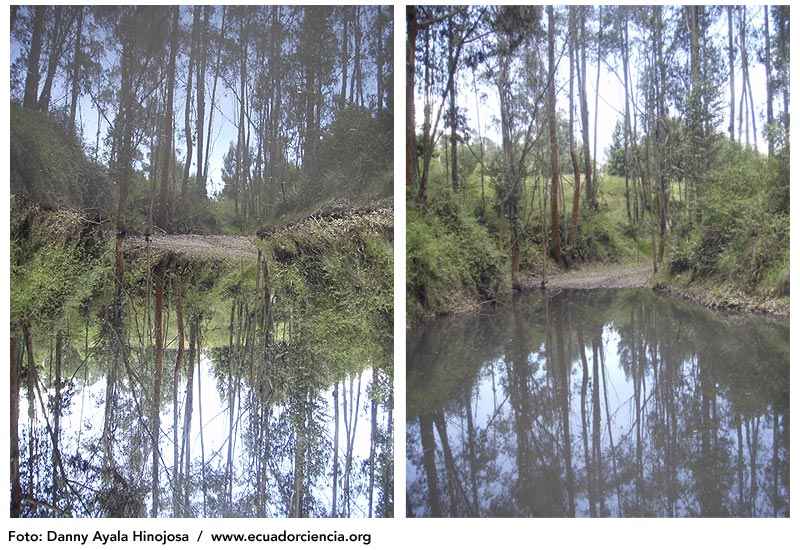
(730, 249)
(458, 244)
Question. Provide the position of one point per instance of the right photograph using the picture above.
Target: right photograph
(597, 261)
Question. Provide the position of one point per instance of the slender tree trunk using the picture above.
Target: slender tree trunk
(768, 68)
(201, 97)
(155, 418)
(661, 114)
(627, 131)
(379, 59)
(32, 75)
(57, 387)
(186, 452)
(373, 435)
(76, 70)
(428, 441)
(480, 140)
(58, 35)
(187, 111)
(453, 112)
(200, 418)
(217, 69)
(576, 196)
(344, 54)
(597, 107)
(555, 166)
(411, 125)
(166, 173)
(731, 73)
(14, 386)
(334, 509)
(783, 47)
(582, 92)
(176, 373)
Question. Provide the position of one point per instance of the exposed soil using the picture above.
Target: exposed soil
(201, 247)
(594, 276)
(329, 222)
(727, 299)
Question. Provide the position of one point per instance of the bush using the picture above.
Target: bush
(449, 257)
(48, 166)
(742, 236)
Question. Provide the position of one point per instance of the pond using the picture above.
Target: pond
(248, 426)
(598, 403)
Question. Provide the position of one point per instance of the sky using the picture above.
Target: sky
(611, 98)
(225, 113)
(224, 127)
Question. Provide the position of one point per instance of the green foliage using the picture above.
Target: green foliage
(598, 238)
(449, 254)
(48, 166)
(742, 234)
(57, 264)
(355, 156)
(341, 302)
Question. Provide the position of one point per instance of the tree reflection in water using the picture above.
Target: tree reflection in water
(231, 406)
(598, 403)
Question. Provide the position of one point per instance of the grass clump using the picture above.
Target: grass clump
(740, 235)
(449, 256)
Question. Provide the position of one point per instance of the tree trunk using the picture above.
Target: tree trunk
(344, 54)
(14, 385)
(32, 75)
(373, 434)
(584, 101)
(453, 112)
(768, 67)
(379, 59)
(187, 112)
(576, 196)
(186, 452)
(428, 441)
(411, 125)
(155, 418)
(661, 114)
(176, 372)
(334, 510)
(555, 167)
(57, 383)
(217, 68)
(164, 199)
(731, 73)
(61, 26)
(627, 131)
(596, 108)
(76, 71)
(31, 396)
(201, 97)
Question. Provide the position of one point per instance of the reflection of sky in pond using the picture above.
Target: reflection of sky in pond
(82, 426)
(706, 442)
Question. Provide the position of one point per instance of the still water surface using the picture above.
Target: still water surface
(247, 443)
(598, 403)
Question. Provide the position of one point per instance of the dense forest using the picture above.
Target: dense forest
(201, 118)
(201, 261)
(505, 182)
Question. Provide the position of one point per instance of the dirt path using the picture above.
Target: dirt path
(201, 247)
(329, 222)
(596, 276)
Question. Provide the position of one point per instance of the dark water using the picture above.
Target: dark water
(598, 403)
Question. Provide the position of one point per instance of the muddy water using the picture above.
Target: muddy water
(598, 403)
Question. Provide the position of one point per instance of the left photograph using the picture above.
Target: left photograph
(201, 261)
